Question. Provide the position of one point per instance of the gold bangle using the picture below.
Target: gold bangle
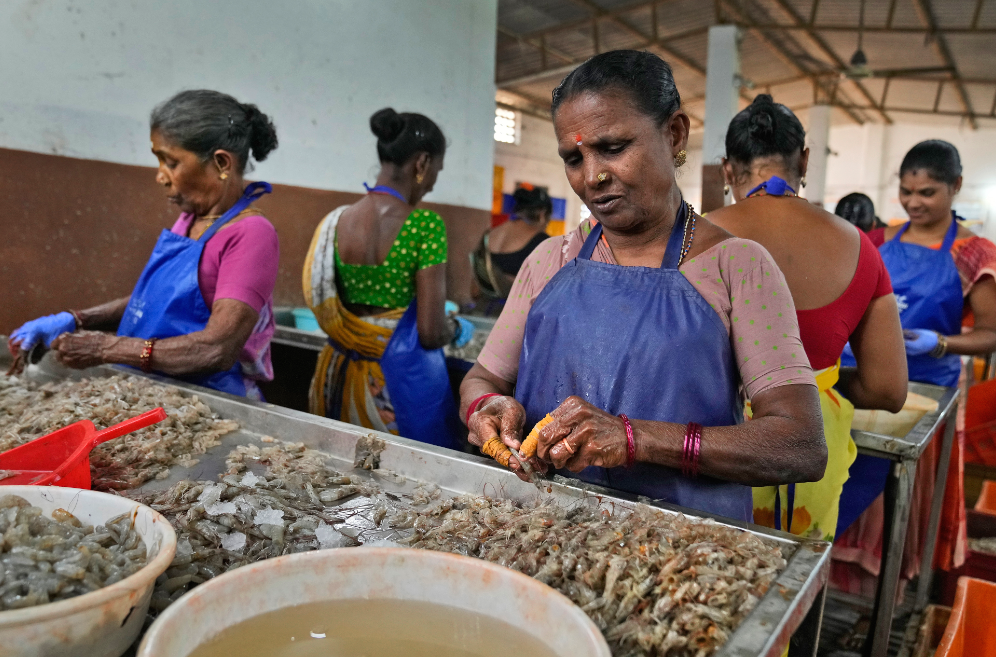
(77, 319)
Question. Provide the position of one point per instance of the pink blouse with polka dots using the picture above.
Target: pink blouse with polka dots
(737, 277)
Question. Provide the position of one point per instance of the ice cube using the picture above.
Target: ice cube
(382, 542)
(211, 494)
(219, 508)
(269, 516)
(234, 542)
(328, 537)
(249, 480)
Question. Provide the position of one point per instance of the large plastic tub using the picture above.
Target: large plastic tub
(971, 631)
(987, 498)
(103, 623)
(373, 573)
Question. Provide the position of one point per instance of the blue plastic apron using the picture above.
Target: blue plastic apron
(419, 385)
(928, 291)
(167, 301)
(640, 341)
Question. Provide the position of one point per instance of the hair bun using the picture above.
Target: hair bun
(763, 99)
(262, 132)
(387, 124)
(761, 125)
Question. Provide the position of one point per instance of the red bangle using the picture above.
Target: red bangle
(476, 402)
(630, 442)
(146, 358)
(691, 449)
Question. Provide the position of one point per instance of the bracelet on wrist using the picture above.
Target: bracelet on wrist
(941, 349)
(146, 358)
(77, 319)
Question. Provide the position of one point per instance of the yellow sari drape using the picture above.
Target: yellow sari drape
(348, 384)
(816, 506)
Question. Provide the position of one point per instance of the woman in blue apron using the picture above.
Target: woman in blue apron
(202, 310)
(637, 341)
(942, 274)
(375, 277)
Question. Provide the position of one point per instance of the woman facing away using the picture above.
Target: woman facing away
(841, 292)
(503, 249)
(370, 262)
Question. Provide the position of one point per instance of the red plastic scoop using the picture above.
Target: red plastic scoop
(62, 458)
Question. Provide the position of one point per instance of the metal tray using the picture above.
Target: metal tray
(912, 445)
(765, 632)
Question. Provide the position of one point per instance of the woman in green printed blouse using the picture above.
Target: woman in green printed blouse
(368, 262)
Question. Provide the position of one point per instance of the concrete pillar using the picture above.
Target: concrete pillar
(818, 139)
(722, 102)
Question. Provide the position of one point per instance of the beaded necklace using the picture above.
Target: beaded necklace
(689, 235)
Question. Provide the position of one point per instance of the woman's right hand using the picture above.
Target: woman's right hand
(44, 329)
(502, 418)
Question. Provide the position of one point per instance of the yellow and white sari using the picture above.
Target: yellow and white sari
(348, 384)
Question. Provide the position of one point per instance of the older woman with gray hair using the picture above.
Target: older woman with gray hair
(202, 310)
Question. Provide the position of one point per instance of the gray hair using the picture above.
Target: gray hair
(203, 121)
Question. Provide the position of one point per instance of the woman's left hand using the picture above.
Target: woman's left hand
(582, 435)
(81, 349)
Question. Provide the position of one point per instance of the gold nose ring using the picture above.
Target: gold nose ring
(602, 177)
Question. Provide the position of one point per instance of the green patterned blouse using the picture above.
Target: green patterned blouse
(421, 243)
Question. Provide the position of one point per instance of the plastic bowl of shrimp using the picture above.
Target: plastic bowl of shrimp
(78, 568)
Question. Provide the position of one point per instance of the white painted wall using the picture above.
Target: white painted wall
(79, 78)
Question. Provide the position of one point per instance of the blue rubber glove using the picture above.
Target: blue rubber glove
(451, 308)
(919, 341)
(465, 331)
(44, 329)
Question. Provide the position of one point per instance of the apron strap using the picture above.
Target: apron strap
(789, 510)
(773, 186)
(384, 189)
(252, 192)
(952, 233)
(674, 243)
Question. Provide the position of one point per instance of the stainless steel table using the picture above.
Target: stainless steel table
(791, 609)
(905, 453)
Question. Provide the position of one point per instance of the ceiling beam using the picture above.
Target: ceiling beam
(598, 14)
(778, 49)
(980, 31)
(829, 52)
(940, 44)
(910, 110)
(529, 78)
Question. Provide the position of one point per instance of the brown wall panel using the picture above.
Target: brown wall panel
(78, 232)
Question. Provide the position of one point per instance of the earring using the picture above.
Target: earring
(602, 177)
(419, 178)
(726, 190)
(803, 181)
(224, 175)
(679, 159)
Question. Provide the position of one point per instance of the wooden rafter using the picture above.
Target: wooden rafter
(940, 44)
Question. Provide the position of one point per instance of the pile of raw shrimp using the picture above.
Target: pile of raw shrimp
(46, 559)
(653, 583)
(29, 410)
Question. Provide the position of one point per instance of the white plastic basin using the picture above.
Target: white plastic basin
(98, 624)
(373, 573)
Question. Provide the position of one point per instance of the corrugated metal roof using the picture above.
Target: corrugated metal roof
(779, 44)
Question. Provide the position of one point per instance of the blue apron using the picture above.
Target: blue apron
(928, 292)
(167, 301)
(640, 341)
(419, 385)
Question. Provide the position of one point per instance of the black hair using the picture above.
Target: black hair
(203, 121)
(937, 157)
(858, 209)
(643, 75)
(531, 203)
(763, 129)
(402, 136)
